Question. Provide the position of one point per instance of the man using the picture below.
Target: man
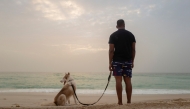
(121, 59)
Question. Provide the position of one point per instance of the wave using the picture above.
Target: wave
(92, 91)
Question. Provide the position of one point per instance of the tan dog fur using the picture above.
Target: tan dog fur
(66, 92)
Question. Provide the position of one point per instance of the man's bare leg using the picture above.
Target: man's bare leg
(128, 88)
(118, 80)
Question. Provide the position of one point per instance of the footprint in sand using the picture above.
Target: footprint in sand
(17, 105)
(4, 99)
(44, 99)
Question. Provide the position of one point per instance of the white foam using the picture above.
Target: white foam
(95, 91)
(160, 91)
(29, 90)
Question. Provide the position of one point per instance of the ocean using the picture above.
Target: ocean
(94, 83)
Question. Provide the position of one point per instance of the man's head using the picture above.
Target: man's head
(120, 24)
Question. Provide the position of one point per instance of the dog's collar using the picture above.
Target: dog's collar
(70, 80)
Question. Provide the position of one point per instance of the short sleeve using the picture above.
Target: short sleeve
(111, 40)
(133, 38)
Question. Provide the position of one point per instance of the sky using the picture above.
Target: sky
(72, 35)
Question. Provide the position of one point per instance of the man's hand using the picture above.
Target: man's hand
(133, 54)
(132, 65)
(110, 67)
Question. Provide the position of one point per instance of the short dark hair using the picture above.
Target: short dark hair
(120, 22)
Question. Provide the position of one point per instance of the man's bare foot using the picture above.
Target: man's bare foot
(120, 103)
(128, 102)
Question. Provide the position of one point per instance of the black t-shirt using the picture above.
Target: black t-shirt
(122, 40)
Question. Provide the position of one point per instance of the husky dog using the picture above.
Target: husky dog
(66, 92)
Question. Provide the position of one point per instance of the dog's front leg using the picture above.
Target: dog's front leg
(68, 100)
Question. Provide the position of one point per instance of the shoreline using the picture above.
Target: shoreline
(10, 100)
(100, 91)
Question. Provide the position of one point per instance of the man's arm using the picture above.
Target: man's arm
(133, 53)
(111, 53)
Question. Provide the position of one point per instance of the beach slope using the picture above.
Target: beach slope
(34, 100)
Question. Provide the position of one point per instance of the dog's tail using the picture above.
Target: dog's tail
(48, 104)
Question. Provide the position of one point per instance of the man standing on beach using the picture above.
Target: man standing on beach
(121, 59)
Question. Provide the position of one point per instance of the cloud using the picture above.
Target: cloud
(59, 10)
(151, 6)
(18, 2)
(129, 11)
(49, 9)
(74, 9)
(149, 9)
(135, 11)
(88, 48)
(80, 48)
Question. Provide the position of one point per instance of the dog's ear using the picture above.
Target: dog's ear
(68, 73)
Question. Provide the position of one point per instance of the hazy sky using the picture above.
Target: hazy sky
(72, 35)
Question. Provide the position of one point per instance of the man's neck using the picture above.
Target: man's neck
(120, 27)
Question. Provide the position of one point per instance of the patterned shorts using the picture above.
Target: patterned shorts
(122, 68)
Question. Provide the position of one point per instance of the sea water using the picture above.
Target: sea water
(95, 83)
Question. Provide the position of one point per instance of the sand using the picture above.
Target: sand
(33, 100)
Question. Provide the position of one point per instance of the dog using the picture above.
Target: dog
(63, 97)
(66, 92)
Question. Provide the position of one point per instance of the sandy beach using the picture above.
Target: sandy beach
(34, 100)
